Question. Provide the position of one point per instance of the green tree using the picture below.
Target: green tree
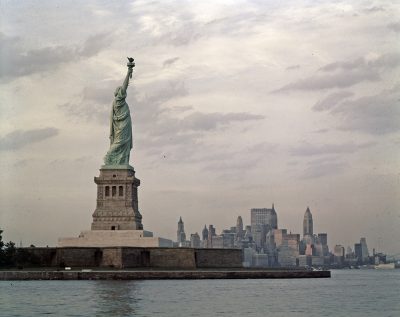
(2, 259)
(10, 252)
(7, 252)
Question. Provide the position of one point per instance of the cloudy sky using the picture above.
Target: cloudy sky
(235, 104)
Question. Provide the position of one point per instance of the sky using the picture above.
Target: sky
(235, 105)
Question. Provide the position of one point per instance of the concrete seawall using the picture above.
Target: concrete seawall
(160, 275)
(131, 257)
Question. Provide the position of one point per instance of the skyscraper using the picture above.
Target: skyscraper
(180, 233)
(307, 223)
(204, 233)
(195, 240)
(338, 253)
(358, 252)
(211, 236)
(262, 221)
(239, 228)
(364, 250)
(264, 216)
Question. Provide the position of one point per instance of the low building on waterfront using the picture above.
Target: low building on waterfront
(338, 255)
(195, 240)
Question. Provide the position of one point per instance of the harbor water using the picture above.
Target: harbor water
(347, 293)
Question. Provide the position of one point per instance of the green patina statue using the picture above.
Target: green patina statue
(120, 125)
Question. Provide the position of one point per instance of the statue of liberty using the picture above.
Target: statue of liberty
(120, 125)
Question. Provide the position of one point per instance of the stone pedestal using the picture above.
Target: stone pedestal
(117, 199)
(117, 221)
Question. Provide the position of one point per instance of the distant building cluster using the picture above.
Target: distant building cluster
(266, 245)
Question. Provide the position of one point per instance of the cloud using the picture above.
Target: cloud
(84, 111)
(94, 45)
(186, 25)
(374, 9)
(339, 80)
(307, 149)
(343, 74)
(385, 61)
(178, 133)
(331, 100)
(293, 67)
(16, 61)
(234, 164)
(159, 121)
(94, 102)
(377, 114)
(181, 109)
(349, 65)
(19, 138)
(168, 62)
(320, 169)
(183, 138)
(394, 27)
(322, 131)
(263, 147)
(21, 163)
(319, 166)
(231, 164)
(211, 121)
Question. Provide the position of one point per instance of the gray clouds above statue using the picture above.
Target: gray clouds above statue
(168, 62)
(375, 114)
(21, 138)
(320, 169)
(331, 100)
(344, 74)
(22, 62)
(307, 149)
(395, 27)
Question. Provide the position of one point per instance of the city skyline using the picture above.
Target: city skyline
(234, 105)
(264, 244)
(303, 234)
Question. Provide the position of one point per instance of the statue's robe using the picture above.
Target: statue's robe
(120, 131)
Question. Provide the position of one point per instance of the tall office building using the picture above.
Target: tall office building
(247, 234)
(358, 252)
(338, 253)
(211, 231)
(195, 240)
(288, 251)
(239, 228)
(364, 250)
(262, 221)
(211, 236)
(361, 251)
(321, 244)
(264, 216)
(307, 223)
(180, 233)
(323, 238)
(204, 233)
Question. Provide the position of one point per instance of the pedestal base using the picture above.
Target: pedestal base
(115, 238)
(117, 205)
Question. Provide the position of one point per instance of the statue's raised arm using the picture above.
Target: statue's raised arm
(130, 65)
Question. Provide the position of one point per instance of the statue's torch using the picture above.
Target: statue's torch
(131, 64)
